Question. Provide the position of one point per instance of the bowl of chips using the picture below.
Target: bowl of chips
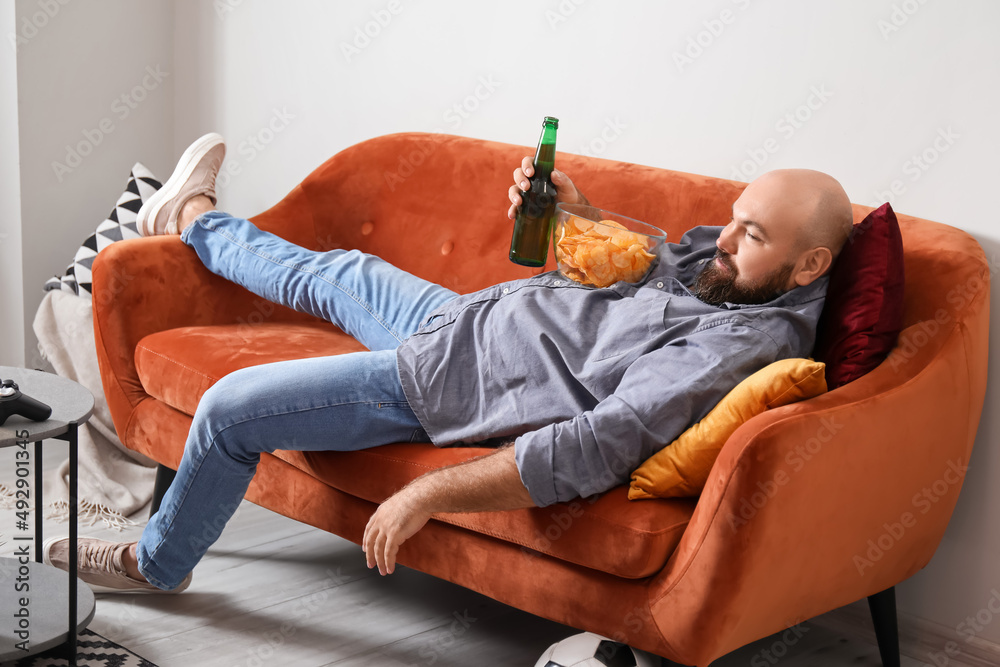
(599, 248)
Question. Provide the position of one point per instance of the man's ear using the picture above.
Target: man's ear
(811, 265)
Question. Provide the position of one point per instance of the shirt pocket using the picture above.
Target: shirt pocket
(633, 327)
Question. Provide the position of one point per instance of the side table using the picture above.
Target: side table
(72, 404)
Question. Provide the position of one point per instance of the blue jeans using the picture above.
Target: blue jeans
(341, 403)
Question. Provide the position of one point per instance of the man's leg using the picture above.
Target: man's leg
(346, 402)
(368, 298)
(341, 403)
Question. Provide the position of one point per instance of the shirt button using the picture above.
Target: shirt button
(558, 283)
(506, 290)
(659, 285)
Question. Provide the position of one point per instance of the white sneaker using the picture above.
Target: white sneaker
(194, 175)
(99, 563)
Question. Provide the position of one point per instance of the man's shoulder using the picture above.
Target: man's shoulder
(790, 323)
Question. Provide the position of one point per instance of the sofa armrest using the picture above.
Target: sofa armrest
(819, 504)
(142, 286)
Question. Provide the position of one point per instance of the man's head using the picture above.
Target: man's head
(786, 229)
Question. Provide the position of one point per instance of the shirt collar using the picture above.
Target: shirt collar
(681, 262)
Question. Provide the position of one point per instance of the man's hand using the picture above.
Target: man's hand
(566, 192)
(395, 521)
(490, 482)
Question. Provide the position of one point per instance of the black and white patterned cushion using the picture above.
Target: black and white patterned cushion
(120, 225)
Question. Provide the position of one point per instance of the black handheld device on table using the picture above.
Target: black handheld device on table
(13, 402)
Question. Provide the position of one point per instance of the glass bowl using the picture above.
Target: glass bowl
(599, 248)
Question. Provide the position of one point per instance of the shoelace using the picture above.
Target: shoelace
(99, 558)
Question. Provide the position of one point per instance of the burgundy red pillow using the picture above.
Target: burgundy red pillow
(863, 313)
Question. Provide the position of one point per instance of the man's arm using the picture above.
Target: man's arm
(659, 396)
(489, 482)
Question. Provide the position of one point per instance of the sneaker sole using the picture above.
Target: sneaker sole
(104, 589)
(146, 218)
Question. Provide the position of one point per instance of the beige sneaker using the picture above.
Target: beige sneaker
(194, 175)
(99, 563)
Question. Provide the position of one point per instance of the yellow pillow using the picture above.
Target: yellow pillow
(681, 468)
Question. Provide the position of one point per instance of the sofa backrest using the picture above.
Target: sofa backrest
(435, 205)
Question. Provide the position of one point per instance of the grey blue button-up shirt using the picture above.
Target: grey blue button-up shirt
(592, 382)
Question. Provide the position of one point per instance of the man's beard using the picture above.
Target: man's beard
(716, 286)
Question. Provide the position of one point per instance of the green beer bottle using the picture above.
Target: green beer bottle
(529, 244)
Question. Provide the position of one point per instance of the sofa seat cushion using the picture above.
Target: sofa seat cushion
(607, 533)
(177, 366)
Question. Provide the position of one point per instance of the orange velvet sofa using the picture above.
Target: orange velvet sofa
(688, 579)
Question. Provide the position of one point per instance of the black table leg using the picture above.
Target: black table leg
(38, 501)
(71, 639)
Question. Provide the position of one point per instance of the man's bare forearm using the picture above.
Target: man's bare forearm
(490, 482)
(487, 483)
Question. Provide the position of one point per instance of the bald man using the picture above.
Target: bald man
(578, 385)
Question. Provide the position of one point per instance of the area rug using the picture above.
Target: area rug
(92, 650)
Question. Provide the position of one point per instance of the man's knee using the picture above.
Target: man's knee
(223, 421)
(217, 404)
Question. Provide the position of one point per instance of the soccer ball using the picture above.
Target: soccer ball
(590, 650)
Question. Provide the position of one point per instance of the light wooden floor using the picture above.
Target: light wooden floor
(273, 591)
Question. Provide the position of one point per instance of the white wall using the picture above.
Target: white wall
(885, 78)
(95, 94)
(11, 296)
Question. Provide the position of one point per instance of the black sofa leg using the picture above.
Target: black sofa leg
(164, 476)
(883, 608)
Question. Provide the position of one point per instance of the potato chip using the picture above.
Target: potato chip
(601, 255)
